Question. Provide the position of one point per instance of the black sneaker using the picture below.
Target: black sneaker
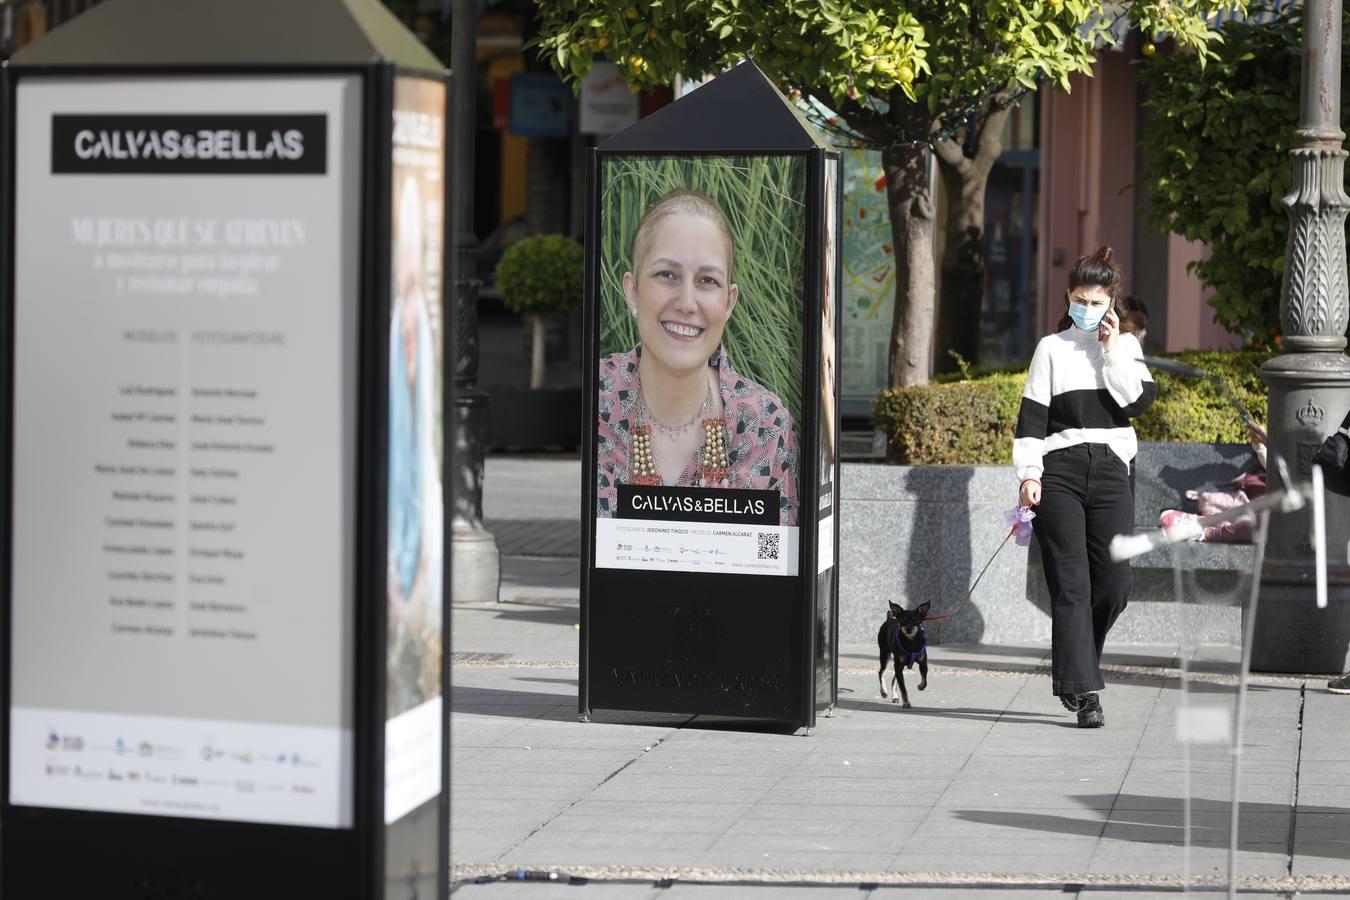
(1090, 711)
(1339, 685)
(1070, 701)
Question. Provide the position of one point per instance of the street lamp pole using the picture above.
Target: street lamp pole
(1309, 383)
(476, 563)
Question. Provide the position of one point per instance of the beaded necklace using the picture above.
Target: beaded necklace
(713, 469)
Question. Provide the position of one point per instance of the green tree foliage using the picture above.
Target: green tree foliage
(902, 76)
(857, 54)
(1217, 163)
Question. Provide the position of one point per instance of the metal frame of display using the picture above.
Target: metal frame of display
(115, 854)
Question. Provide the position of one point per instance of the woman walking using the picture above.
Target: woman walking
(1073, 452)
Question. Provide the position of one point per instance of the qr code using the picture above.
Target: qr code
(768, 545)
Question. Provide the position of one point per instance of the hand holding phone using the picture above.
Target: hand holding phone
(1108, 330)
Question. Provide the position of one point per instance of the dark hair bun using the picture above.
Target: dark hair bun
(1097, 268)
(1107, 257)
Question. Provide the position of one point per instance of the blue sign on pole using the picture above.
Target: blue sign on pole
(539, 105)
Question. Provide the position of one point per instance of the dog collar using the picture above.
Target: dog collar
(910, 658)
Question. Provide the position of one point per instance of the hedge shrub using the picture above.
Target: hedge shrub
(971, 422)
(542, 275)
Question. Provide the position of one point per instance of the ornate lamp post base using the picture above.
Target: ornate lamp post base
(476, 573)
(476, 576)
(1309, 393)
(1310, 385)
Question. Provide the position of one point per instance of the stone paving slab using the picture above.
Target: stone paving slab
(986, 774)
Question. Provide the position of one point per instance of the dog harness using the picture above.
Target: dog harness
(909, 658)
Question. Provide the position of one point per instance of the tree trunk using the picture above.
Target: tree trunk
(546, 179)
(965, 180)
(910, 198)
(537, 352)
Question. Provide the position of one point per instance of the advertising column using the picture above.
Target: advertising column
(185, 304)
(415, 564)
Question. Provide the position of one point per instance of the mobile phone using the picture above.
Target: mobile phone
(1109, 310)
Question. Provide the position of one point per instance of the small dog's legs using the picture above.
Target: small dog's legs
(903, 696)
(881, 673)
(923, 671)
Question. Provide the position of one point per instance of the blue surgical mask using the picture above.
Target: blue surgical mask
(1087, 318)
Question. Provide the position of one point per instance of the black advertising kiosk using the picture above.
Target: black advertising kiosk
(223, 620)
(710, 465)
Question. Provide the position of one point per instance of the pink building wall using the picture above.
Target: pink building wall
(1190, 324)
(1088, 157)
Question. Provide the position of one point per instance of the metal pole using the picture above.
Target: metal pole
(476, 570)
(1309, 383)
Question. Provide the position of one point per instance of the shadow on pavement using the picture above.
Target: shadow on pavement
(562, 707)
(548, 615)
(1011, 717)
(553, 572)
(481, 701)
(975, 650)
(1158, 820)
(536, 537)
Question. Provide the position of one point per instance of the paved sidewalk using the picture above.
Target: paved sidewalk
(532, 505)
(986, 782)
(984, 789)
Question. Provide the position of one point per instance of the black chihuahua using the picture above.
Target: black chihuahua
(902, 636)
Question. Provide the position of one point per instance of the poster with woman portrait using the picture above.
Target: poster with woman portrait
(828, 369)
(700, 300)
(415, 565)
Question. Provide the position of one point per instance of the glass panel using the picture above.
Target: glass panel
(1204, 734)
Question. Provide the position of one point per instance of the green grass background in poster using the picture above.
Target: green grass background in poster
(764, 200)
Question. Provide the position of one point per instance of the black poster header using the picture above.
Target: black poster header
(688, 504)
(190, 144)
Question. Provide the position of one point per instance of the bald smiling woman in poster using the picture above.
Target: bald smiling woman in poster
(415, 566)
(673, 410)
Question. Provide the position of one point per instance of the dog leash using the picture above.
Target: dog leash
(970, 593)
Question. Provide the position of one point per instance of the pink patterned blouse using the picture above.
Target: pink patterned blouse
(760, 435)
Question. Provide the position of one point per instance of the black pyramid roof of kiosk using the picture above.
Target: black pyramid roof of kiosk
(739, 111)
(230, 33)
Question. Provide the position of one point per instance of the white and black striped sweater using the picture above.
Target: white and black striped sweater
(1077, 393)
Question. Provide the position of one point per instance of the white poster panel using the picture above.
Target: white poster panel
(607, 105)
(829, 319)
(415, 569)
(690, 546)
(184, 446)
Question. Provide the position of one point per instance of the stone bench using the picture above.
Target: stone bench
(916, 533)
(1162, 475)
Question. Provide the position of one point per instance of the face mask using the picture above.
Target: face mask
(1086, 317)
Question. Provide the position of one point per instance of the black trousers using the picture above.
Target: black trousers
(1086, 500)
